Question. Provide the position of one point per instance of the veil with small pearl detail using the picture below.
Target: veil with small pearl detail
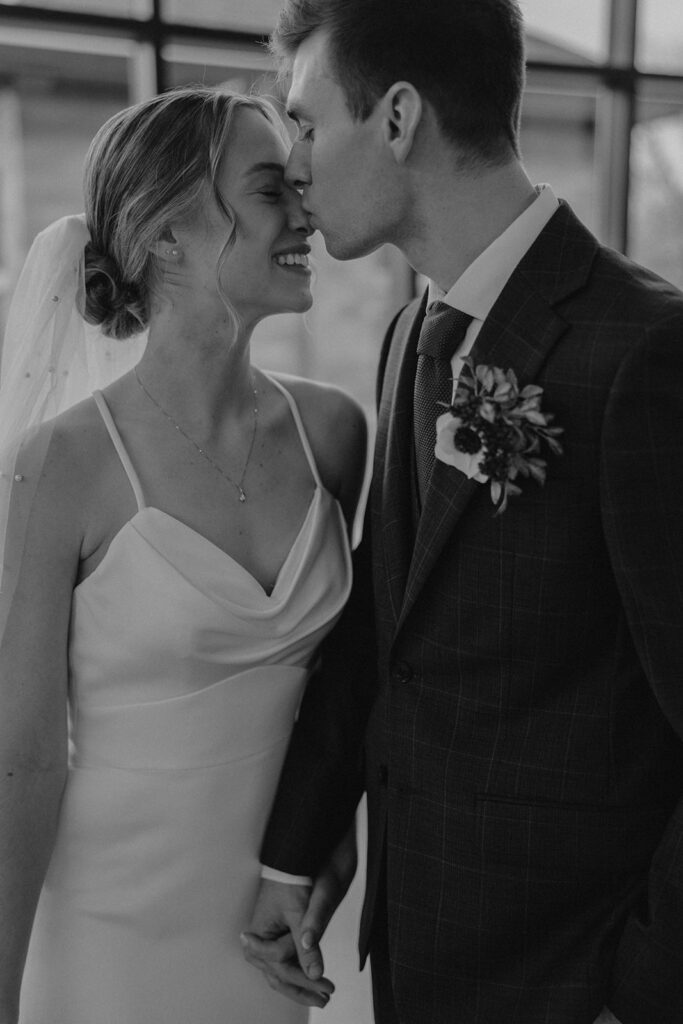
(51, 359)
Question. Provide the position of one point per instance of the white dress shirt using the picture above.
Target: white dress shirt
(478, 288)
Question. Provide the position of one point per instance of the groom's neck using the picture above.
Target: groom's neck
(457, 214)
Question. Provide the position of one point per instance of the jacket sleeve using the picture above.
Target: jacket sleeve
(642, 479)
(322, 777)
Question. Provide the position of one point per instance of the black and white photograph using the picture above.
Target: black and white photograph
(341, 512)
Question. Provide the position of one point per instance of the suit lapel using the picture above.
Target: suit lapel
(393, 495)
(519, 333)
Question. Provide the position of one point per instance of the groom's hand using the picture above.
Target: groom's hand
(282, 949)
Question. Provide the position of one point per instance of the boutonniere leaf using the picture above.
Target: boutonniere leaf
(493, 431)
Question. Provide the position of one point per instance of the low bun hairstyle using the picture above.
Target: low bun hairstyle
(146, 168)
(117, 308)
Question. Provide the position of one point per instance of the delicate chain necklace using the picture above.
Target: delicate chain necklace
(237, 484)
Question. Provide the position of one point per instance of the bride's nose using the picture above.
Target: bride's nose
(298, 169)
(297, 217)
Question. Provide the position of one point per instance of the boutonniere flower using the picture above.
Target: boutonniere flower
(493, 431)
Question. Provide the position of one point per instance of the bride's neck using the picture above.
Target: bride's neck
(201, 367)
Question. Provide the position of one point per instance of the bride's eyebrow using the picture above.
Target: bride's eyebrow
(265, 165)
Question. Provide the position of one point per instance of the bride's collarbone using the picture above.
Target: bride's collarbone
(258, 532)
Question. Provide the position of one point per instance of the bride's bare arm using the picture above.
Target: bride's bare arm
(44, 537)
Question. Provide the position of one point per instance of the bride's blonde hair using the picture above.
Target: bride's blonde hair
(148, 166)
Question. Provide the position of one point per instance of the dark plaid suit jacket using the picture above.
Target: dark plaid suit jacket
(519, 728)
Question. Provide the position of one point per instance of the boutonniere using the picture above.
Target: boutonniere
(492, 431)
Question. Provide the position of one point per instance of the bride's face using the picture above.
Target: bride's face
(265, 270)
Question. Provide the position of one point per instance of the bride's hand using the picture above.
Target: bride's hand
(288, 923)
(273, 944)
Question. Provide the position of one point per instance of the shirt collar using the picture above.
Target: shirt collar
(477, 289)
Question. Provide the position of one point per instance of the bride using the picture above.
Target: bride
(175, 548)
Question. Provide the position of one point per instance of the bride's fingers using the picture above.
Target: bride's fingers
(298, 993)
(277, 959)
(287, 977)
(291, 976)
(269, 950)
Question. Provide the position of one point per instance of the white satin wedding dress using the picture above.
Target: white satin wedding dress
(185, 680)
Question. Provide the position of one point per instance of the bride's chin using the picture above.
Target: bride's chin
(301, 303)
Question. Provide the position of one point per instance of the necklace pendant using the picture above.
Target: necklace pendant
(240, 490)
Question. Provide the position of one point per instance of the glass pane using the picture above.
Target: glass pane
(660, 36)
(256, 16)
(561, 31)
(243, 69)
(54, 104)
(656, 198)
(558, 140)
(118, 8)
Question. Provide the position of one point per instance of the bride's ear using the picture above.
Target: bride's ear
(167, 247)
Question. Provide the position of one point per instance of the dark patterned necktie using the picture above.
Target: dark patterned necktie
(442, 331)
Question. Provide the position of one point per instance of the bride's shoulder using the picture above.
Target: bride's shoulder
(54, 471)
(65, 452)
(336, 427)
(76, 436)
(321, 404)
(327, 411)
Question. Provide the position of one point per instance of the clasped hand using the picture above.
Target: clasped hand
(288, 922)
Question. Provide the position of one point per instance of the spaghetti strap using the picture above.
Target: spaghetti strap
(296, 415)
(120, 449)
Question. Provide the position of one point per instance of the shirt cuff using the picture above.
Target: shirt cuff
(281, 876)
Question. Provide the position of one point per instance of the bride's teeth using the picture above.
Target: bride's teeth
(291, 259)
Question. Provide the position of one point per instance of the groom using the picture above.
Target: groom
(520, 729)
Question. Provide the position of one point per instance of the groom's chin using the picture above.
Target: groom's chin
(347, 248)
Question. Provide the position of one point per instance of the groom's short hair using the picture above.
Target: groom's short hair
(465, 57)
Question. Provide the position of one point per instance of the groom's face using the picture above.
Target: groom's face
(336, 162)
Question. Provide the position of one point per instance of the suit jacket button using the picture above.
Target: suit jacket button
(402, 672)
(382, 774)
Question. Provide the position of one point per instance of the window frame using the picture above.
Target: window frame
(621, 81)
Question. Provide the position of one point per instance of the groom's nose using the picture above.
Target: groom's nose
(298, 167)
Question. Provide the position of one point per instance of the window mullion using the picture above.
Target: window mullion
(615, 113)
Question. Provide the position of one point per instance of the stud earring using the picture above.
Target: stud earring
(172, 252)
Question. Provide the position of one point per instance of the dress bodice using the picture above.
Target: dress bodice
(167, 614)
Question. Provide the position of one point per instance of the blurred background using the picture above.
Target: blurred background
(602, 123)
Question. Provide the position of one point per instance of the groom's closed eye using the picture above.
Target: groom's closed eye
(302, 122)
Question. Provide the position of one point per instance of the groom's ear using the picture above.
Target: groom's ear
(402, 110)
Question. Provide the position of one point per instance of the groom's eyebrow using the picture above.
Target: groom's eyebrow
(296, 114)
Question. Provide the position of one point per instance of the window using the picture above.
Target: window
(660, 36)
(602, 122)
(656, 201)
(579, 28)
